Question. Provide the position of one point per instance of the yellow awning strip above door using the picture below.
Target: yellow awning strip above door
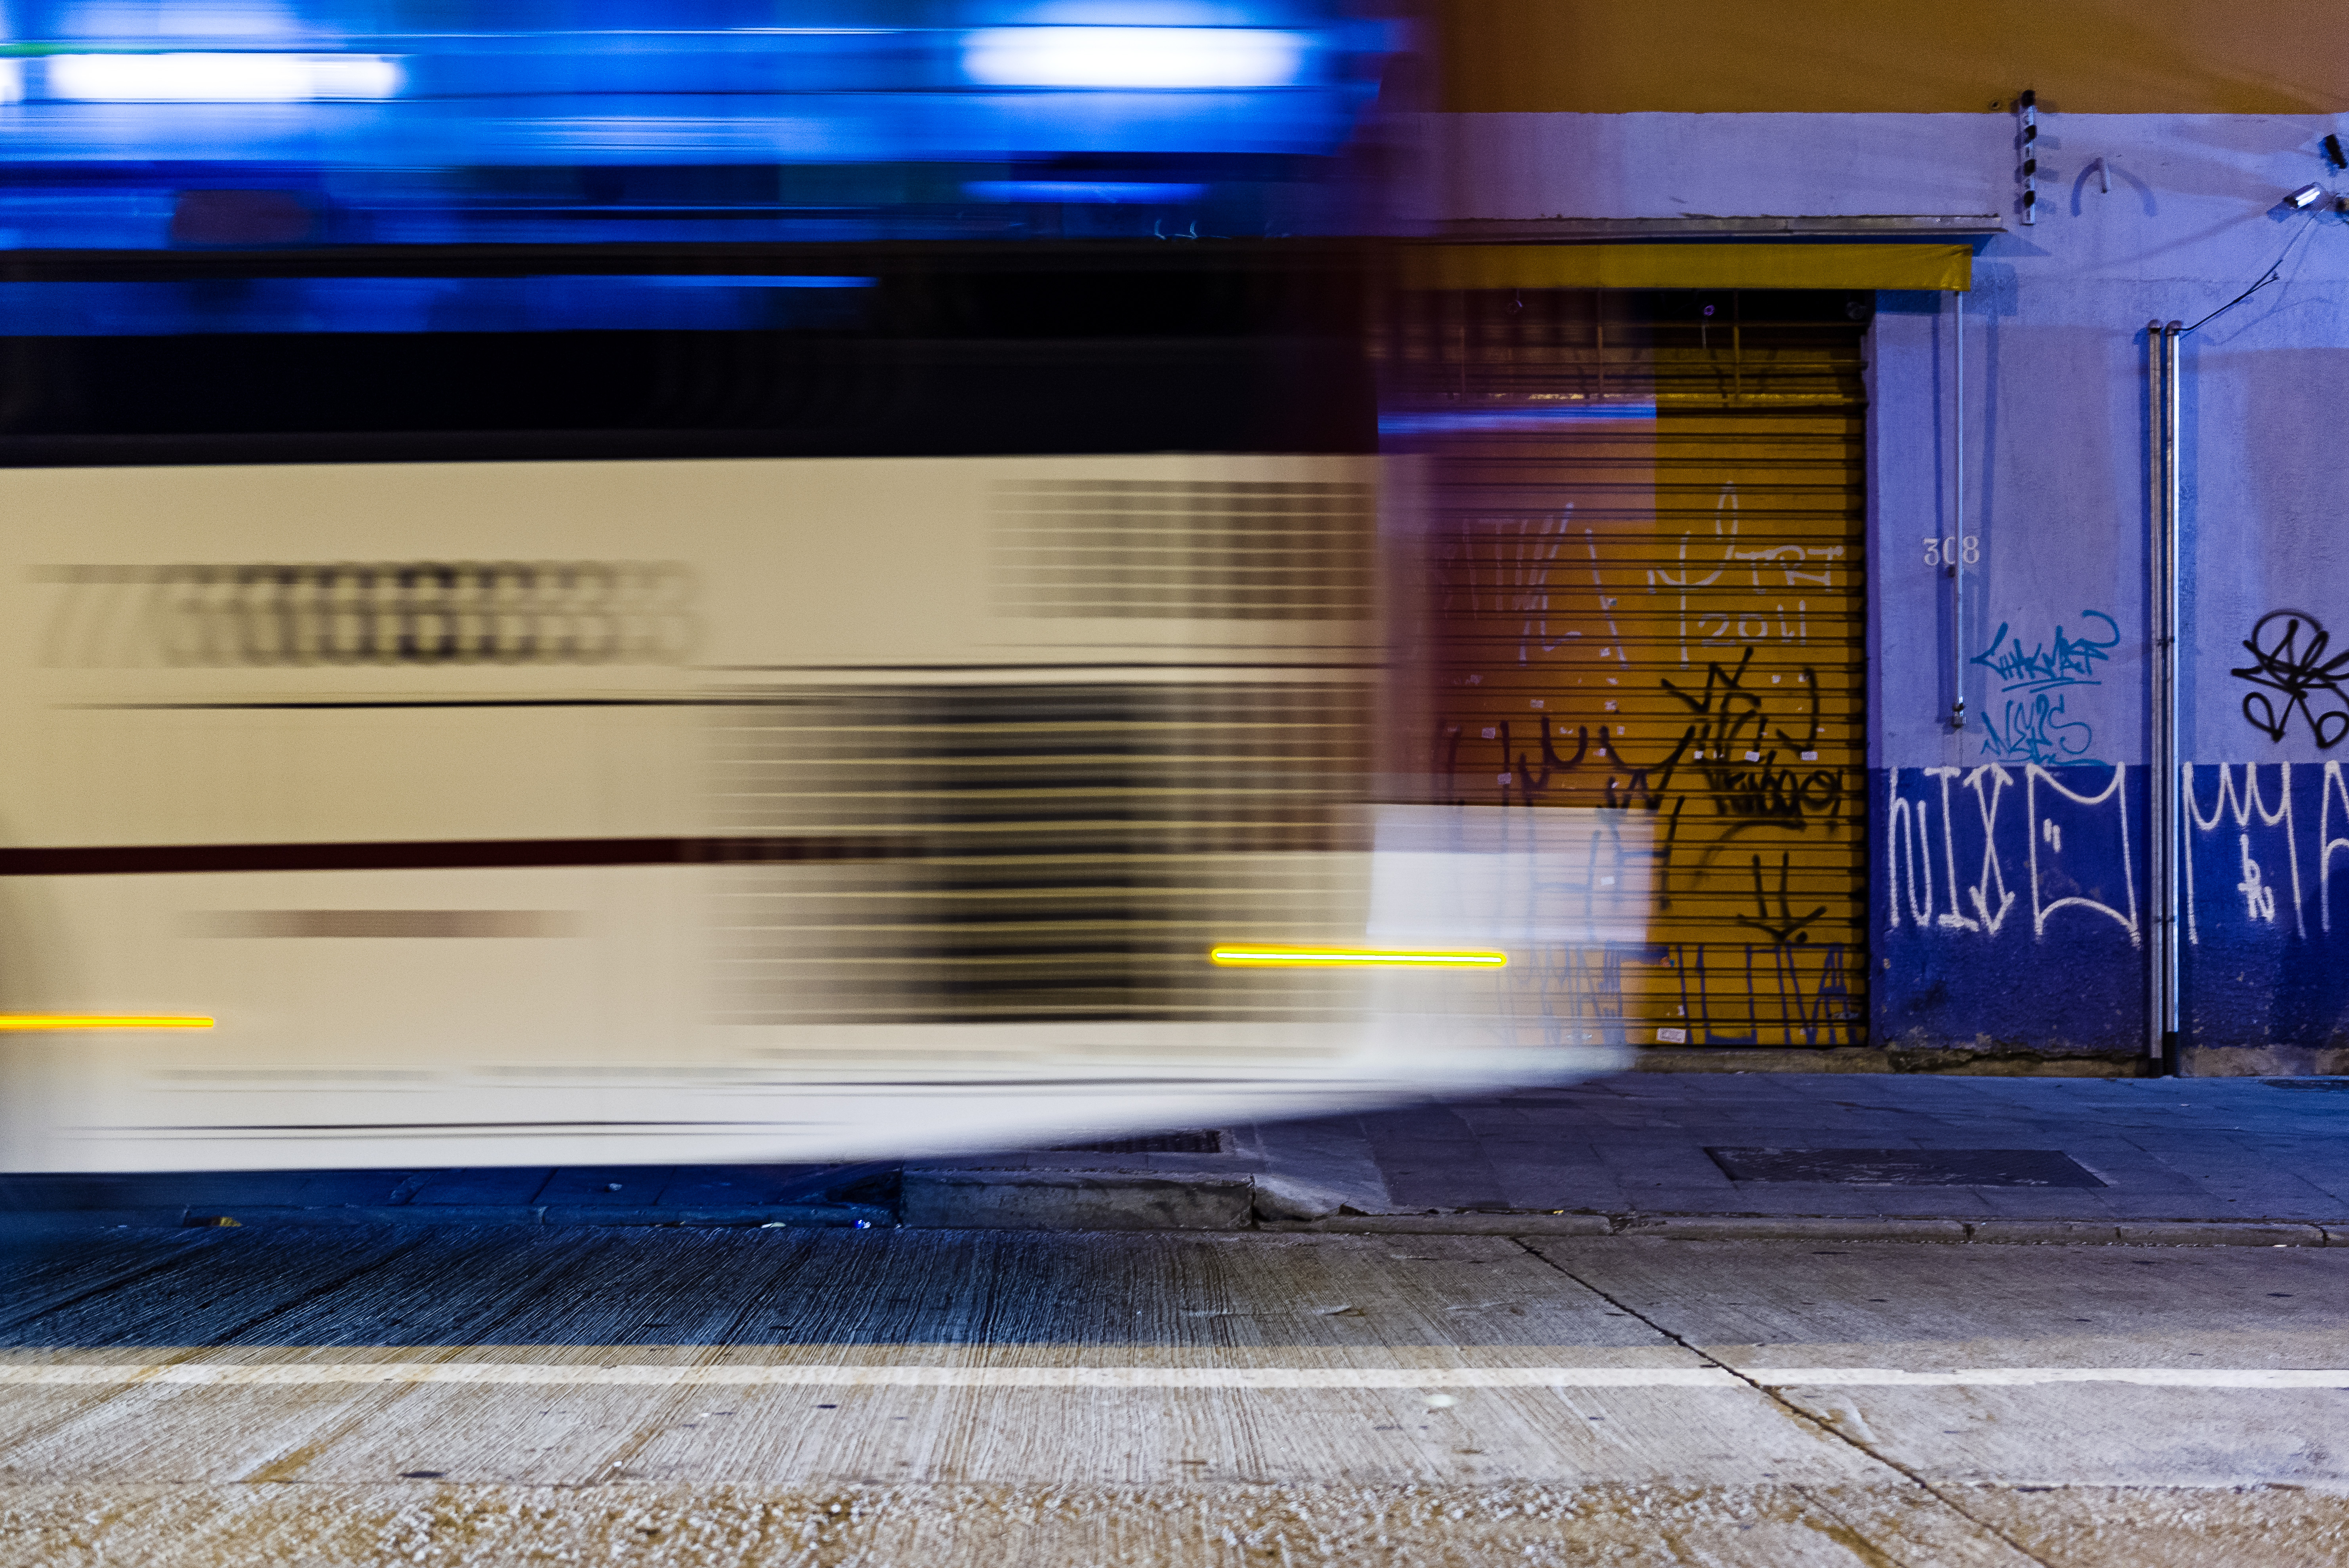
(1690, 266)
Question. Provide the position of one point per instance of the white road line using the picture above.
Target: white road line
(2030, 1376)
(215, 1374)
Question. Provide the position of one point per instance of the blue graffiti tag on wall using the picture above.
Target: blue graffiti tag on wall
(2068, 661)
(2035, 728)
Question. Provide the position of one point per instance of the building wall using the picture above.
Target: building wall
(1856, 57)
(2008, 895)
(2053, 638)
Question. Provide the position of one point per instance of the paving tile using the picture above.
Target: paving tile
(615, 1186)
(486, 1185)
(1560, 1151)
(1559, 1187)
(1715, 1195)
(2165, 1206)
(1689, 1165)
(2044, 1203)
(718, 1186)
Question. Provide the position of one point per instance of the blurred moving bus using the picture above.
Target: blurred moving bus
(776, 704)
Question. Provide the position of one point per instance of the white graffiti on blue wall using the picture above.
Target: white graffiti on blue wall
(1967, 851)
(2031, 725)
(2057, 821)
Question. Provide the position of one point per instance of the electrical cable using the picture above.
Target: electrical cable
(2274, 275)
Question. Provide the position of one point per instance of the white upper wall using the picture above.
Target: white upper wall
(2193, 171)
(1502, 166)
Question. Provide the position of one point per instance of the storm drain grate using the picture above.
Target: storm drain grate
(2336, 1085)
(1196, 1141)
(1905, 1167)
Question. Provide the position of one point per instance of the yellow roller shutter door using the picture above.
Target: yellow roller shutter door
(1646, 600)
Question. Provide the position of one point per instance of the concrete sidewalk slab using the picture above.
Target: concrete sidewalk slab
(2187, 1162)
(2209, 1162)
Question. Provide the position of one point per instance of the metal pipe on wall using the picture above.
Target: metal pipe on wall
(2156, 517)
(2162, 770)
(1957, 522)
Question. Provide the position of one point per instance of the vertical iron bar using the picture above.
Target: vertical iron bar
(2157, 534)
(1958, 524)
(2172, 455)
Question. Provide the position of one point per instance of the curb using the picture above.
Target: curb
(1478, 1223)
(797, 1216)
(1920, 1061)
(1829, 1228)
(1050, 1201)
(1073, 1201)
(1120, 1201)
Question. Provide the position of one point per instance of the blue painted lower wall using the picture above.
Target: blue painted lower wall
(2010, 907)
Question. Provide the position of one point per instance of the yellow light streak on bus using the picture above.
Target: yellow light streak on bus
(37, 1021)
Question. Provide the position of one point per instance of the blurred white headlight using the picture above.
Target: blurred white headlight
(1133, 57)
(254, 77)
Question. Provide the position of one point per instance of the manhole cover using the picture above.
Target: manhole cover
(1905, 1167)
(2337, 1085)
(1195, 1142)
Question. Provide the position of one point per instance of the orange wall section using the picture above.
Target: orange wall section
(1854, 57)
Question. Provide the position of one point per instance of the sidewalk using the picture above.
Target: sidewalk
(618, 1195)
(1951, 1159)
(2204, 1160)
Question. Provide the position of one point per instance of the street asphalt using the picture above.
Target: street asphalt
(686, 1397)
(1730, 1320)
